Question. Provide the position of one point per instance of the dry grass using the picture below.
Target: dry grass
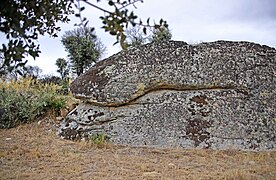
(33, 151)
(28, 84)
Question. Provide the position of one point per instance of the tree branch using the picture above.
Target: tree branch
(131, 3)
(97, 7)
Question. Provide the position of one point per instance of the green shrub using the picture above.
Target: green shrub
(25, 100)
(64, 86)
(55, 102)
(99, 139)
(54, 80)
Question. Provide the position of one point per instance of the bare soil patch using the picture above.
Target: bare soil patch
(34, 151)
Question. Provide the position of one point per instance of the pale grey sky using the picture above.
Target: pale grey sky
(189, 21)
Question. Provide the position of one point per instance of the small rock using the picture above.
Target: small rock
(151, 174)
(59, 118)
(252, 162)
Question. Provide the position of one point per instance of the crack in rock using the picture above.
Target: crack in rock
(140, 94)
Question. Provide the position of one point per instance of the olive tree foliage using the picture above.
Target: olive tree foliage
(116, 21)
(22, 21)
(63, 67)
(83, 47)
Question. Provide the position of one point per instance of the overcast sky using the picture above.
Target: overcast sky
(189, 21)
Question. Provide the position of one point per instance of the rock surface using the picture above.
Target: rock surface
(212, 95)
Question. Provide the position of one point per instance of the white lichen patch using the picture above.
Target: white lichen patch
(108, 70)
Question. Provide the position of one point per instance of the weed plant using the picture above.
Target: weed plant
(99, 139)
(27, 99)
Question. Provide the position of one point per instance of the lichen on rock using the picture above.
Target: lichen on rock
(213, 95)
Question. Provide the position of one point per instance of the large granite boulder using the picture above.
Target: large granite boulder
(211, 95)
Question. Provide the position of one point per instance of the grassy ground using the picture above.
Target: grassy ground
(33, 151)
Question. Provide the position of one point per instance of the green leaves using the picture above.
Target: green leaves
(24, 21)
(145, 30)
(111, 3)
(117, 21)
(27, 99)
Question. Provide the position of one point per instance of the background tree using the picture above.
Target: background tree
(63, 68)
(3, 69)
(32, 71)
(24, 71)
(135, 37)
(83, 47)
(162, 34)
